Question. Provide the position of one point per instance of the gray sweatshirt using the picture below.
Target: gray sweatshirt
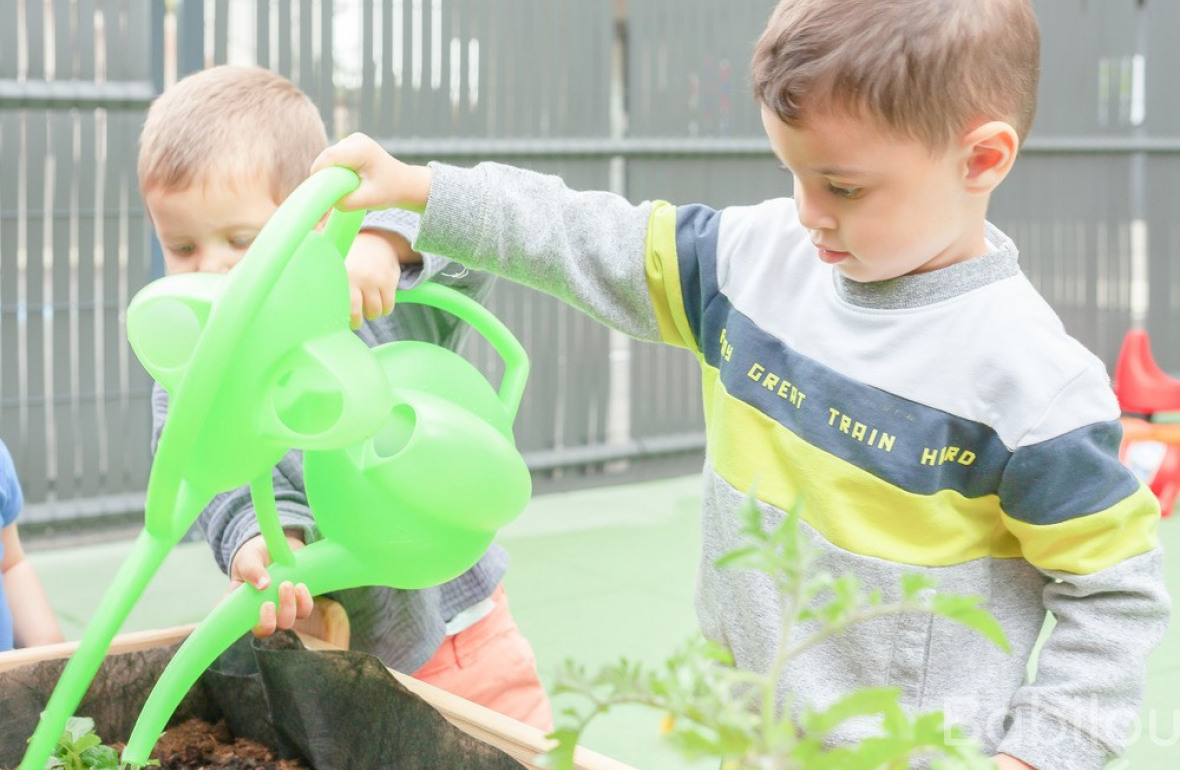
(941, 423)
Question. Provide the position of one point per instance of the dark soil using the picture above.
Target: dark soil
(198, 745)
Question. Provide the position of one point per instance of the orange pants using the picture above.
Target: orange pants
(492, 664)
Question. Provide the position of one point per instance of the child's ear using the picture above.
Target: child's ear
(990, 152)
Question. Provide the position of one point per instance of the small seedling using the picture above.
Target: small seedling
(715, 710)
(79, 748)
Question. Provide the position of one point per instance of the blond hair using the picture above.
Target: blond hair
(924, 69)
(230, 124)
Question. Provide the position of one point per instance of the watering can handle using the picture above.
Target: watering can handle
(516, 362)
(342, 228)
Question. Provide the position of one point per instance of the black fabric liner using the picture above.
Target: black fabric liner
(330, 709)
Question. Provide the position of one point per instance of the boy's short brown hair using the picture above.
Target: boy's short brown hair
(924, 69)
(230, 123)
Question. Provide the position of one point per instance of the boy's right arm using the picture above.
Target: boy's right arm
(386, 182)
(609, 258)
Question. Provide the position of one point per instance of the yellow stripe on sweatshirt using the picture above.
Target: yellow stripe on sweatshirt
(850, 507)
(864, 514)
(663, 277)
(1087, 544)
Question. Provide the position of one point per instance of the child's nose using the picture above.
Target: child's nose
(217, 259)
(812, 215)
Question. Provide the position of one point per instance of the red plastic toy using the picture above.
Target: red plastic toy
(1151, 449)
(1141, 386)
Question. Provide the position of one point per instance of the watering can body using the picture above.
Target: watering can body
(295, 376)
(409, 461)
(437, 479)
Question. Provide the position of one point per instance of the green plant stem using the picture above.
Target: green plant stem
(783, 655)
(837, 626)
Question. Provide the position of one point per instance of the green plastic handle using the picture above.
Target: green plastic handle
(516, 361)
(342, 228)
(173, 500)
(237, 307)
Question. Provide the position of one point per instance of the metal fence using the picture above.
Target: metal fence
(649, 98)
(75, 79)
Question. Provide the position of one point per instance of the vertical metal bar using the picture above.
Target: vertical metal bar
(220, 32)
(39, 391)
(388, 118)
(284, 33)
(11, 313)
(61, 299)
(411, 51)
(190, 37)
(64, 48)
(35, 36)
(306, 49)
(442, 36)
(489, 69)
(84, 300)
(326, 83)
(368, 105)
(117, 247)
(426, 94)
(8, 41)
(262, 33)
(459, 25)
(158, 13)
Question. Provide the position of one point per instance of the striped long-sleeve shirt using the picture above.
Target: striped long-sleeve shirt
(941, 423)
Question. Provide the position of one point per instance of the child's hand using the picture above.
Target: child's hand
(374, 270)
(385, 181)
(1006, 762)
(249, 566)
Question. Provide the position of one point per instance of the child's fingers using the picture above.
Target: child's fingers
(347, 152)
(374, 303)
(266, 620)
(287, 609)
(388, 298)
(356, 152)
(250, 567)
(304, 603)
(356, 303)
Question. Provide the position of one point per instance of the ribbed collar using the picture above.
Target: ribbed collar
(910, 291)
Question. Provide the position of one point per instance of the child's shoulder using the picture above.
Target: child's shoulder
(11, 498)
(769, 229)
(774, 215)
(1025, 357)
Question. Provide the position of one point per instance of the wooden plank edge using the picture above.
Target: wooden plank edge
(522, 742)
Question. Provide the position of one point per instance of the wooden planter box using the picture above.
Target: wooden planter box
(520, 741)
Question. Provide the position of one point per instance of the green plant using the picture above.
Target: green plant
(714, 709)
(79, 748)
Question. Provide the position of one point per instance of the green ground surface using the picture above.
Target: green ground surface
(596, 575)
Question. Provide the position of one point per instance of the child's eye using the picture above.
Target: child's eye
(844, 192)
(181, 251)
(241, 241)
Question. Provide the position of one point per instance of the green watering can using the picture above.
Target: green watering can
(409, 459)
